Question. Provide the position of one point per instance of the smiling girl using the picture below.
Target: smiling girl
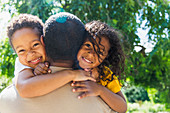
(103, 57)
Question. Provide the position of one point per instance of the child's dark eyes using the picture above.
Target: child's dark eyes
(22, 50)
(88, 45)
(36, 44)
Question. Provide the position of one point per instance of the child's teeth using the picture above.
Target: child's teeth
(36, 60)
(87, 60)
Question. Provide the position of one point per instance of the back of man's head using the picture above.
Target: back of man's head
(63, 36)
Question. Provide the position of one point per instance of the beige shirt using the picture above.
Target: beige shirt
(61, 100)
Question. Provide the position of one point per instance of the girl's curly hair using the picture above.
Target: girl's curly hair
(115, 59)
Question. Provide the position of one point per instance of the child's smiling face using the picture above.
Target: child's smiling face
(28, 47)
(88, 58)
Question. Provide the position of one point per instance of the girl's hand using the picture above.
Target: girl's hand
(87, 88)
(42, 68)
(81, 75)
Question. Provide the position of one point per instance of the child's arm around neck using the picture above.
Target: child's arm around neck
(29, 85)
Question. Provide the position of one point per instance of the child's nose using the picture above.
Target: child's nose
(91, 52)
(31, 52)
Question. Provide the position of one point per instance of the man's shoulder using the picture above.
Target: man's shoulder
(6, 97)
(9, 93)
(8, 90)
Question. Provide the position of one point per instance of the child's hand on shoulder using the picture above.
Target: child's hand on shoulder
(87, 88)
(81, 75)
(42, 68)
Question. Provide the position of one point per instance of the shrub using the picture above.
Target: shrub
(134, 94)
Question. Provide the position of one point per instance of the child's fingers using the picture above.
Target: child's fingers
(43, 66)
(91, 78)
(88, 73)
(35, 74)
(49, 70)
(74, 82)
(47, 64)
(78, 84)
(80, 89)
(39, 70)
(84, 94)
(42, 70)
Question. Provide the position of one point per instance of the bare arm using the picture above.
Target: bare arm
(29, 85)
(115, 101)
(90, 88)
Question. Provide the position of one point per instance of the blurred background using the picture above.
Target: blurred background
(144, 26)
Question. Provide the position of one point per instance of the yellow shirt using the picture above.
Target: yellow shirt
(113, 85)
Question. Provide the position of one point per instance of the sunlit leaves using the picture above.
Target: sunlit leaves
(7, 59)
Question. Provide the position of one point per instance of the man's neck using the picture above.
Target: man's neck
(62, 63)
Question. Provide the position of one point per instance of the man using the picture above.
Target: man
(63, 36)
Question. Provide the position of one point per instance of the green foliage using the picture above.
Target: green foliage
(7, 59)
(4, 82)
(135, 94)
(152, 71)
(155, 12)
(119, 14)
(160, 98)
(41, 8)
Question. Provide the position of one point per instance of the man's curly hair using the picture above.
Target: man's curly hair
(24, 21)
(115, 59)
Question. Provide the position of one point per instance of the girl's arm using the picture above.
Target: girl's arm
(115, 101)
(90, 88)
(29, 85)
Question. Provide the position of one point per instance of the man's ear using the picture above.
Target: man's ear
(42, 40)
